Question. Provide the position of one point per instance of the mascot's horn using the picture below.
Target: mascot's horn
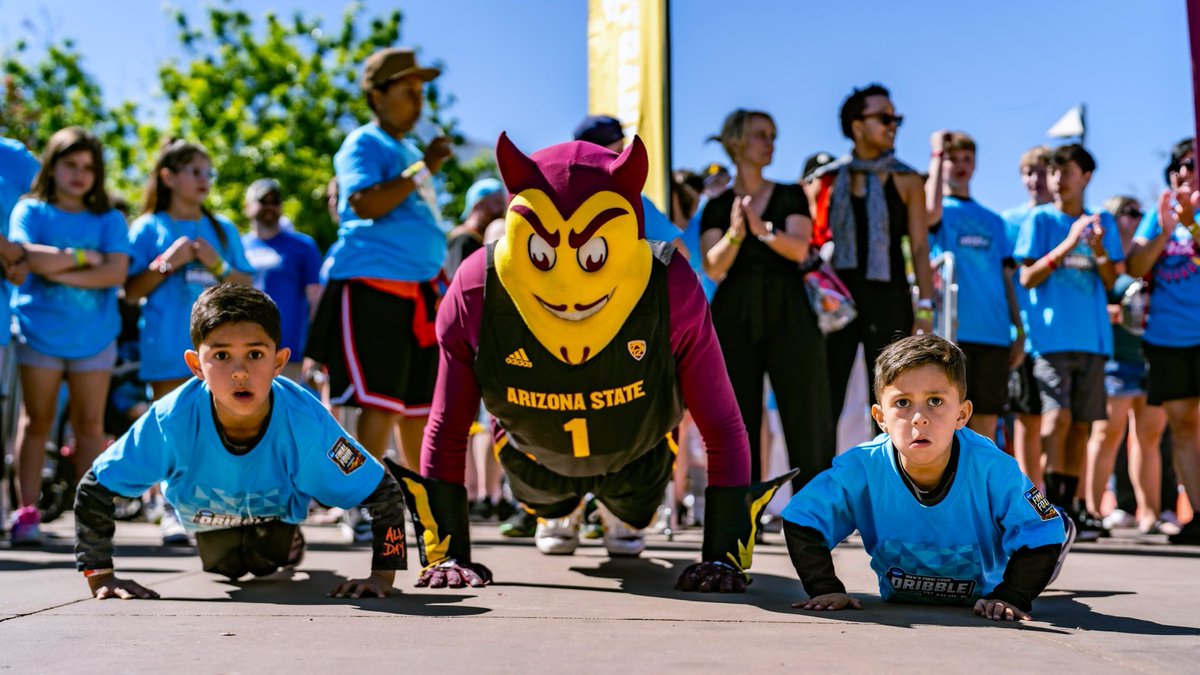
(516, 170)
(630, 169)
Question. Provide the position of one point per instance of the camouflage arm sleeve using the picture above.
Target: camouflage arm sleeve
(94, 524)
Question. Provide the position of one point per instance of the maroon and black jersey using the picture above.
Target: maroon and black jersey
(587, 419)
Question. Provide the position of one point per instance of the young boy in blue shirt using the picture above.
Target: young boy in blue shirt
(944, 514)
(1069, 259)
(987, 310)
(242, 452)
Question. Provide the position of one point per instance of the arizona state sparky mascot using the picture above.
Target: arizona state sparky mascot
(585, 342)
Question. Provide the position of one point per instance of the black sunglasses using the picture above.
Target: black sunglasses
(1189, 164)
(1131, 212)
(886, 119)
(270, 200)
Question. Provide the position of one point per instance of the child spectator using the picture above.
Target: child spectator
(179, 248)
(945, 516)
(286, 265)
(18, 167)
(1023, 398)
(987, 305)
(242, 452)
(78, 255)
(1069, 255)
(486, 201)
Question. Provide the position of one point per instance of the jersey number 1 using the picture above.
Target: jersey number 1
(579, 436)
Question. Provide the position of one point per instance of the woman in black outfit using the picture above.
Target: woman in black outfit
(867, 203)
(753, 237)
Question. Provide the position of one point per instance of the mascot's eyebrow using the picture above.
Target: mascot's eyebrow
(578, 239)
(536, 223)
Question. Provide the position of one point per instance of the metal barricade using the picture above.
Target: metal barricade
(945, 298)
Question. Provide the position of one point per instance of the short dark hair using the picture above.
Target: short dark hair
(856, 103)
(1178, 152)
(233, 303)
(915, 351)
(1073, 152)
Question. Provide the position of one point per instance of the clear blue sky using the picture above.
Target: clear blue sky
(1002, 70)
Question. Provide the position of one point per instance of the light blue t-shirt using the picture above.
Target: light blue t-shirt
(167, 311)
(1068, 311)
(18, 168)
(303, 455)
(691, 239)
(658, 226)
(1012, 225)
(952, 552)
(284, 266)
(59, 320)
(1174, 317)
(977, 238)
(406, 244)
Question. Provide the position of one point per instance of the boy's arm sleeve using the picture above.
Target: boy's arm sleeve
(360, 166)
(19, 224)
(386, 506)
(1026, 576)
(116, 234)
(812, 559)
(335, 468)
(825, 504)
(1027, 246)
(136, 461)
(94, 525)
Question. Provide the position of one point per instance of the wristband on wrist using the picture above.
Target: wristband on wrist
(1101, 260)
(735, 241)
(925, 303)
(936, 153)
(162, 266)
(88, 574)
(924, 314)
(79, 255)
(417, 172)
(1051, 262)
(219, 269)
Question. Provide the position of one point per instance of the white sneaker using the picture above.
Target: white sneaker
(620, 539)
(1120, 519)
(1169, 516)
(173, 532)
(557, 536)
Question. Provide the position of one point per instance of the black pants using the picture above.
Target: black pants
(632, 494)
(885, 314)
(766, 327)
(249, 549)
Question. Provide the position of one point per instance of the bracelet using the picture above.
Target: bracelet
(80, 257)
(162, 266)
(418, 173)
(1101, 260)
(219, 269)
(924, 314)
(88, 574)
(767, 238)
(1051, 262)
(936, 153)
(925, 303)
(734, 241)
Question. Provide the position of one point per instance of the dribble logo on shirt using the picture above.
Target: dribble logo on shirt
(930, 586)
(346, 456)
(1040, 504)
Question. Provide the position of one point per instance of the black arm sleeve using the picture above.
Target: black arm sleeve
(386, 506)
(94, 524)
(812, 560)
(1026, 576)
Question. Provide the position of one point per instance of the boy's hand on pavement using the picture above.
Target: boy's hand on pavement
(109, 586)
(829, 602)
(998, 610)
(379, 584)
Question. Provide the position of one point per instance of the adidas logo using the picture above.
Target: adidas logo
(518, 358)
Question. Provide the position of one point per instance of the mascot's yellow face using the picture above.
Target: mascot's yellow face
(574, 277)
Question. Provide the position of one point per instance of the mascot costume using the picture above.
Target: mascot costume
(585, 342)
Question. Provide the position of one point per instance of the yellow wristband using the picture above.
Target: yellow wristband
(924, 314)
(219, 269)
(80, 257)
(732, 239)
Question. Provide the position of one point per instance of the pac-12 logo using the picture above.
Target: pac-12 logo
(637, 349)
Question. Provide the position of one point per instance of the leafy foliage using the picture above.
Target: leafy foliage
(272, 98)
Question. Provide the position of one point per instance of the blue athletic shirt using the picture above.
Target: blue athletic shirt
(304, 455)
(1174, 318)
(283, 266)
(977, 238)
(1068, 310)
(59, 320)
(167, 311)
(408, 243)
(1012, 225)
(658, 226)
(952, 552)
(691, 239)
(18, 168)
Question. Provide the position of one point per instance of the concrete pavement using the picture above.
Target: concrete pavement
(1126, 604)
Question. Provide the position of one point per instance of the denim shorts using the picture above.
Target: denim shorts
(1125, 378)
(104, 360)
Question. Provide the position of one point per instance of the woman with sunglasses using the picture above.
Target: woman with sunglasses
(1165, 248)
(867, 202)
(1124, 381)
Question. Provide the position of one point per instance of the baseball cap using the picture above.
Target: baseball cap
(393, 63)
(482, 188)
(599, 129)
(261, 188)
